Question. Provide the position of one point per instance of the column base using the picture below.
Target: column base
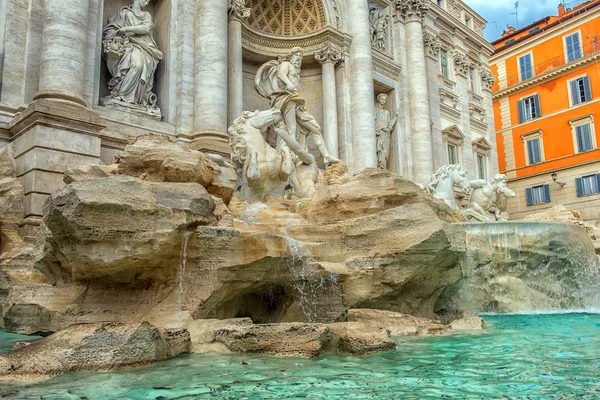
(212, 142)
(49, 137)
(59, 95)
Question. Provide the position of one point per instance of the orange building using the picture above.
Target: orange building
(546, 99)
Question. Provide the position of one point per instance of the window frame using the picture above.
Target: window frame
(579, 185)
(580, 121)
(589, 86)
(529, 137)
(565, 48)
(537, 106)
(530, 54)
(454, 145)
(448, 74)
(546, 190)
(484, 165)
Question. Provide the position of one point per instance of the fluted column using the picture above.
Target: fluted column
(210, 107)
(64, 43)
(329, 57)
(412, 12)
(237, 12)
(362, 95)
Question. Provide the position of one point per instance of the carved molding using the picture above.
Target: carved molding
(461, 63)
(287, 17)
(453, 134)
(385, 66)
(412, 10)
(482, 145)
(329, 54)
(432, 45)
(487, 79)
(237, 9)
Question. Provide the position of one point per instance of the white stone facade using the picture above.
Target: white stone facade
(53, 76)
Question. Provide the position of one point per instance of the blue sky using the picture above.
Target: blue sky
(500, 12)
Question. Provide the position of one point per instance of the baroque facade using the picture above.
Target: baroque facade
(78, 77)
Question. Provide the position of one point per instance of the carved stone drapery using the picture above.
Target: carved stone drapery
(487, 79)
(432, 45)
(461, 63)
(412, 9)
(329, 54)
(237, 9)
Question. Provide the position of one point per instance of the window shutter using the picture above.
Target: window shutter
(520, 108)
(574, 92)
(598, 181)
(579, 186)
(579, 134)
(547, 193)
(587, 88)
(529, 196)
(537, 105)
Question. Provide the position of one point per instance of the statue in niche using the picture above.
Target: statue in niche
(379, 22)
(279, 81)
(489, 197)
(384, 128)
(132, 56)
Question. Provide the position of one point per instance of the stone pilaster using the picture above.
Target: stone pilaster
(63, 55)
(210, 124)
(329, 57)
(412, 13)
(237, 12)
(364, 141)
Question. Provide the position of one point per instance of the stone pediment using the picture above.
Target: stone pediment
(482, 145)
(454, 133)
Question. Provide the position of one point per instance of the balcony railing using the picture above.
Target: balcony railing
(556, 62)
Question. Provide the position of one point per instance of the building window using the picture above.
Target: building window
(581, 90)
(529, 108)
(481, 174)
(583, 134)
(452, 153)
(511, 41)
(533, 150)
(444, 63)
(537, 195)
(534, 30)
(573, 47)
(525, 67)
(587, 185)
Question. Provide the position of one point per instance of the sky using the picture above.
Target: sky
(498, 13)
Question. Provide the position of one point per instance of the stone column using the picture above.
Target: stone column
(329, 57)
(235, 65)
(210, 124)
(412, 12)
(362, 95)
(64, 46)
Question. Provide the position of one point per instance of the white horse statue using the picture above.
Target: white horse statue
(443, 181)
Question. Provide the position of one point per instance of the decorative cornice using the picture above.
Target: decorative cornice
(487, 79)
(237, 9)
(274, 46)
(462, 63)
(329, 54)
(412, 10)
(385, 66)
(432, 45)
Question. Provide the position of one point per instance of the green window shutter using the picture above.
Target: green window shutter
(547, 193)
(537, 105)
(529, 196)
(575, 92)
(520, 105)
(579, 186)
(587, 88)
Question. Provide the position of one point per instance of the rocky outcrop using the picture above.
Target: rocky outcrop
(467, 324)
(360, 339)
(104, 346)
(397, 324)
(87, 172)
(156, 159)
(11, 201)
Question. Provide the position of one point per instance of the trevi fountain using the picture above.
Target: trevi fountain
(238, 235)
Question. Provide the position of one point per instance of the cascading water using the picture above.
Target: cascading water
(526, 266)
(182, 264)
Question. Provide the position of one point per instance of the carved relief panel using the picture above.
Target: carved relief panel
(380, 21)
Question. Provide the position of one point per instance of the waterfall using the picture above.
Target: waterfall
(182, 264)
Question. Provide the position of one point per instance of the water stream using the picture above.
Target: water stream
(182, 264)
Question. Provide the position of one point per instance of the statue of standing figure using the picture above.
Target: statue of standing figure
(384, 128)
(279, 81)
(132, 56)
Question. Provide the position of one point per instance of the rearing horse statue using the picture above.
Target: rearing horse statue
(443, 181)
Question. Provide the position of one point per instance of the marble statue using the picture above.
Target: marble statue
(384, 128)
(279, 81)
(487, 197)
(132, 56)
(379, 24)
(261, 169)
(443, 181)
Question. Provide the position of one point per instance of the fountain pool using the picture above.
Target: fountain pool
(533, 356)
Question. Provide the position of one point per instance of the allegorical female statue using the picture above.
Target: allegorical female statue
(384, 128)
(132, 56)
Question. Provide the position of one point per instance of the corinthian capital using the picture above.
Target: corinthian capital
(329, 54)
(487, 79)
(411, 10)
(462, 63)
(238, 9)
(432, 44)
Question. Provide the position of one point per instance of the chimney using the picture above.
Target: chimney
(561, 9)
(509, 31)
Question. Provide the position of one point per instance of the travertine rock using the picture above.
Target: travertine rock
(102, 346)
(122, 228)
(467, 324)
(397, 324)
(11, 201)
(91, 171)
(360, 339)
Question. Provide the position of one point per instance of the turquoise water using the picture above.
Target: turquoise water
(517, 357)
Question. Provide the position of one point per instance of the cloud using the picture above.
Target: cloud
(499, 15)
